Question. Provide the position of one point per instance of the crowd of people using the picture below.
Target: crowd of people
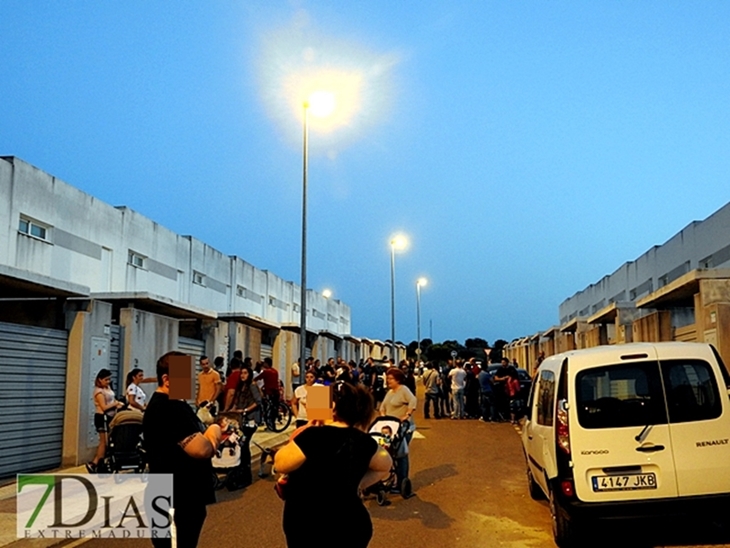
(180, 444)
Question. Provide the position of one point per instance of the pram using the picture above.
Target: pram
(124, 451)
(229, 468)
(390, 433)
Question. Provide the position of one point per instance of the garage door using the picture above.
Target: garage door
(194, 348)
(32, 394)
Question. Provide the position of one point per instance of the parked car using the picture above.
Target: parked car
(524, 377)
(626, 431)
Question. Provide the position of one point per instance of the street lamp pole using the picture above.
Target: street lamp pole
(303, 290)
(419, 283)
(392, 296)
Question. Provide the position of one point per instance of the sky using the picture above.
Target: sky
(526, 149)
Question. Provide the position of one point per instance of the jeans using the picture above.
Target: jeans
(486, 402)
(458, 402)
(431, 399)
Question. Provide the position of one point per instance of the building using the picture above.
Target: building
(85, 285)
(679, 290)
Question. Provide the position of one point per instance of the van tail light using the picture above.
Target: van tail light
(566, 486)
(563, 430)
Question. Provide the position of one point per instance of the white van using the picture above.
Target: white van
(629, 431)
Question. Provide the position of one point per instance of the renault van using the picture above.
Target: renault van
(629, 431)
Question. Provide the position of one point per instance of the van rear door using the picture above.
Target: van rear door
(620, 440)
(699, 422)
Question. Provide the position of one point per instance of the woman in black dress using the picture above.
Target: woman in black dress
(326, 466)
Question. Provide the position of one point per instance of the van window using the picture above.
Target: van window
(545, 395)
(620, 395)
(692, 393)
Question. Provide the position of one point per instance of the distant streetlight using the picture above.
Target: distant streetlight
(421, 282)
(397, 242)
(326, 293)
(322, 104)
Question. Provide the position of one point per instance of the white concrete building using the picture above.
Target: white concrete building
(115, 290)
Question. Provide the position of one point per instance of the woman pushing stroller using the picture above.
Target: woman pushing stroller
(400, 403)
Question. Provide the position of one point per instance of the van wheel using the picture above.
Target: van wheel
(533, 487)
(564, 529)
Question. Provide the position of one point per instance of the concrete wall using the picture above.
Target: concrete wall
(701, 244)
(88, 351)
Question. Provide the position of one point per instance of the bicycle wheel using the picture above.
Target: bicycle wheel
(280, 418)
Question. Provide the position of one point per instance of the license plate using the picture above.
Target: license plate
(628, 482)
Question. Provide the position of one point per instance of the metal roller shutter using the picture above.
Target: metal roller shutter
(267, 351)
(195, 348)
(32, 394)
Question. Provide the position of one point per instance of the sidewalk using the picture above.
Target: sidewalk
(264, 438)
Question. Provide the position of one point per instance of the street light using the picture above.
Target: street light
(420, 282)
(397, 242)
(326, 293)
(321, 104)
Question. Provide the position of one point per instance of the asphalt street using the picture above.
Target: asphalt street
(470, 491)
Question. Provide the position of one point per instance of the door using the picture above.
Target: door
(699, 421)
(620, 440)
(32, 397)
(539, 436)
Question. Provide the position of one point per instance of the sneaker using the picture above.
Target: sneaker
(91, 468)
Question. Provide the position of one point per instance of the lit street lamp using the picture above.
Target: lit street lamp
(398, 242)
(421, 282)
(326, 293)
(322, 104)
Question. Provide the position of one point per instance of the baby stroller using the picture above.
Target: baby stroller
(124, 450)
(390, 433)
(229, 470)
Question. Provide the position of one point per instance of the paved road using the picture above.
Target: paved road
(470, 492)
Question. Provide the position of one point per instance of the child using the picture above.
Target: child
(387, 436)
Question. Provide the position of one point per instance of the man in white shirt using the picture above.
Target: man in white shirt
(458, 383)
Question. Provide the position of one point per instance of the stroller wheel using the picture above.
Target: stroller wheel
(406, 489)
(217, 482)
(381, 497)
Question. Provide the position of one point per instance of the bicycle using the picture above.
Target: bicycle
(277, 416)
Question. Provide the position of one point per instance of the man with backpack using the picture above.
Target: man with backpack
(432, 382)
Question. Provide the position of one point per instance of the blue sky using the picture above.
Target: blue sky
(526, 148)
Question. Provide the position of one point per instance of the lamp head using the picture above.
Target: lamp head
(421, 282)
(399, 242)
(326, 293)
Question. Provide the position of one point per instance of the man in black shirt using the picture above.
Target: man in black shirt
(177, 443)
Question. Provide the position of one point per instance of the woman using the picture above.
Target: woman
(247, 402)
(136, 397)
(400, 403)
(299, 402)
(326, 467)
(105, 407)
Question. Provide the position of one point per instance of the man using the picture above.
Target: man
(486, 399)
(234, 376)
(177, 444)
(499, 382)
(410, 380)
(458, 383)
(209, 384)
(270, 388)
(431, 381)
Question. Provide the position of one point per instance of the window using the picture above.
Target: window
(618, 396)
(240, 291)
(33, 228)
(692, 393)
(198, 278)
(137, 260)
(545, 395)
